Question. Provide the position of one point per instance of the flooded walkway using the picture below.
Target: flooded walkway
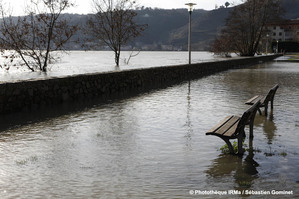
(154, 145)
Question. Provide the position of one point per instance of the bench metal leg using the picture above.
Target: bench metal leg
(250, 143)
(251, 129)
(240, 142)
(259, 110)
(230, 147)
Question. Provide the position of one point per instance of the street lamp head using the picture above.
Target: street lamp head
(190, 9)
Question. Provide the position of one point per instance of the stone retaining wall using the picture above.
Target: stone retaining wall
(28, 95)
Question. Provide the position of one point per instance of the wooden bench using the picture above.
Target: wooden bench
(232, 127)
(264, 99)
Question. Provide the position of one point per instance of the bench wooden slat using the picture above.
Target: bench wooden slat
(253, 100)
(263, 100)
(228, 125)
(230, 132)
(219, 125)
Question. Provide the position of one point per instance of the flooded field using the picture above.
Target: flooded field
(154, 145)
(84, 62)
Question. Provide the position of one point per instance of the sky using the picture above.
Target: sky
(85, 6)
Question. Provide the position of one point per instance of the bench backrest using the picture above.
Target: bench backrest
(249, 115)
(271, 93)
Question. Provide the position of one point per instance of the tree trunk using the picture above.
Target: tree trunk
(117, 56)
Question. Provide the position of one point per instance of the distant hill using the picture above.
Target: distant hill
(168, 29)
(291, 8)
(204, 29)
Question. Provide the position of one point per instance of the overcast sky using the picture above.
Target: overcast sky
(85, 6)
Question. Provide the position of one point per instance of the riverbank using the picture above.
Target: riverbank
(34, 94)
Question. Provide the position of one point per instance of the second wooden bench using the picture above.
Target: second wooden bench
(264, 99)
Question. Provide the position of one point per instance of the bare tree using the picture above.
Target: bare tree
(246, 25)
(132, 54)
(221, 45)
(33, 37)
(113, 24)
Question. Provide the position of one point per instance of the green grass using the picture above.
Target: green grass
(224, 149)
(284, 154)
(26, 161)
(293, 57)
(246, 184)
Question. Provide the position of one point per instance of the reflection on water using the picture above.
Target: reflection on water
(243, 170)
(268, 125)
(188, 119)
(154, 145)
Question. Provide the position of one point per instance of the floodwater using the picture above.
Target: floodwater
(154, 145)
(84, 62)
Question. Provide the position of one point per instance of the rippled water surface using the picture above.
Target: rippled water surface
(154, 145)
(82, 62)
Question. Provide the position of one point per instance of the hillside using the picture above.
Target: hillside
(291, 8)
(168, 29)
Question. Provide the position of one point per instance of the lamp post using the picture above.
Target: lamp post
(277, 47)
(190, 9)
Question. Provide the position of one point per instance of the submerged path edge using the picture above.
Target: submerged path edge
(35, 94)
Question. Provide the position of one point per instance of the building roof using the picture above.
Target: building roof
(284, 22)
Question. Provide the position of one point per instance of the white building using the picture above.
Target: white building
(284, 31)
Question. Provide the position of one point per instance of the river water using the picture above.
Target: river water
(154, 145)
(83, 62)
